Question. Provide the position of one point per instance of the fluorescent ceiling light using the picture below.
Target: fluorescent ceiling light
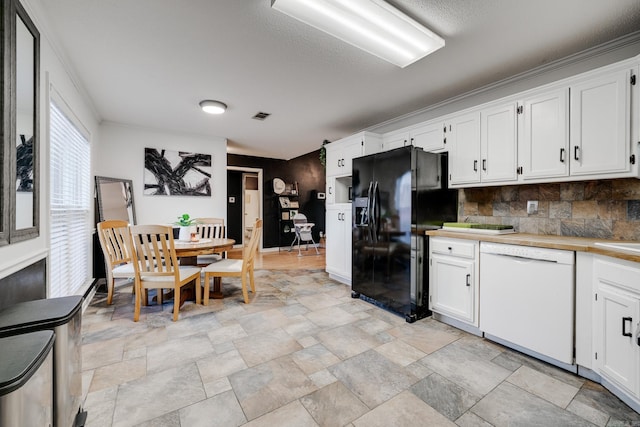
(371, 25)
(213, 107)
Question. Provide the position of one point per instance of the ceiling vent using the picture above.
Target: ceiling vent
(261, 116)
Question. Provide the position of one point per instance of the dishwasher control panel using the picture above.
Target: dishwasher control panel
(528, 252)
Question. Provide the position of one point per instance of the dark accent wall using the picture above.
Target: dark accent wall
(27, 284)
(309, 174)
(234, 210)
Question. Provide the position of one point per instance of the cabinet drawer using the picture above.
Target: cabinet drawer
(452, 247)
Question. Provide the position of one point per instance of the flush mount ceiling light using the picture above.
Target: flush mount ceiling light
(213, 107)
(371, 25)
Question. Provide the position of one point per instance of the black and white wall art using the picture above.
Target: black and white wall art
(176, 173)
(24, 163)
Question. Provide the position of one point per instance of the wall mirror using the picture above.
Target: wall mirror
(20, 133)
(115, 199)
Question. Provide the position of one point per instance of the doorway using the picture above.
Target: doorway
(251, 203)
(244, 202)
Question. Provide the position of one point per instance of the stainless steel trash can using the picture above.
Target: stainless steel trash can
(26, 379)
(64, 317)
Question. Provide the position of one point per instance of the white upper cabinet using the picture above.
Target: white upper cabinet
(396, 139)
(601, 123)
(341, 153)
(543, 126)
(483, 146)
(498, 143)
(430, 136)
(582, 127)
(464, 149)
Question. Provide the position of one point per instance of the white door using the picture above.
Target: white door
(251, 206)
(600, 124)
(617, 350)
(464, 152)
(451, 287)
(429, 137)
(499, 143)
(544, 135)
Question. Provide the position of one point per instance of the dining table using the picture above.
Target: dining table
(188, 252)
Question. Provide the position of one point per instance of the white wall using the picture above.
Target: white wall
(121, 155)
(18, 255)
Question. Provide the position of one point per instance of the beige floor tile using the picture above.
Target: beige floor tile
(260, 348)
(404, 409)
(331, 317)
(157, 394)
(118, 373)
(543, 386)
(304, 353)
(372, 377)
(334, 405)
(400, 352)
(221, 410)
(313, 359)
(218, 366)
(266, 387)
(292, 414)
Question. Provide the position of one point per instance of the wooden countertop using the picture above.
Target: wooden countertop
(578, 244)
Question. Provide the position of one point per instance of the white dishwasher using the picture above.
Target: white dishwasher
(527, 300)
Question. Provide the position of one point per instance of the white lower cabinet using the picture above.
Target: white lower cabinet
(453, 278)
(616, 325)
(338, 242)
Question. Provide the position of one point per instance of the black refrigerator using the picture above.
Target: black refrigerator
(396, 196)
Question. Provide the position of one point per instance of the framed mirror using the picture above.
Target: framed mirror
(114, 197)
(20, 131)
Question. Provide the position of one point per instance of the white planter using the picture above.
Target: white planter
(185, 233)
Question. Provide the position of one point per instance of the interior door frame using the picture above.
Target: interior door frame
(254, 171)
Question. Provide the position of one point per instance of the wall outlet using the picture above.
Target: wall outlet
(532, 207)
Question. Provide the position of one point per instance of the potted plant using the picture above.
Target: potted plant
(187, 226)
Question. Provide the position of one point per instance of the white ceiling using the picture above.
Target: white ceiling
(149, 62)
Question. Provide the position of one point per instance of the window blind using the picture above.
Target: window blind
(70, 202)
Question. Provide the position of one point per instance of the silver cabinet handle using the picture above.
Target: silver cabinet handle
(468, 279)
(562, 155)
(576, 152)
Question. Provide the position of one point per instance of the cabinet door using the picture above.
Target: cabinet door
(429, 137)
(331, 190)
(544, 135)
(617, 346)
(338, 240)
(347, 233)
(451, 287)
(350, 151)
(499, 143)
(464, 152)
(395, 140)
(333, 160)
(600, 124)
(334, 239)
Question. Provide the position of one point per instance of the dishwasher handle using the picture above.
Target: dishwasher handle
(523, 258)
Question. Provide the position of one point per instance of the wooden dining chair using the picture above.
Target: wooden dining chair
(113, 235)
(210, 228)
(242, 268)
(156, 265)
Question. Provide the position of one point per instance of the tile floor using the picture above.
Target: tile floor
(303, 353)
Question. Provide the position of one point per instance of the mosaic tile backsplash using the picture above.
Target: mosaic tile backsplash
(606, 209)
